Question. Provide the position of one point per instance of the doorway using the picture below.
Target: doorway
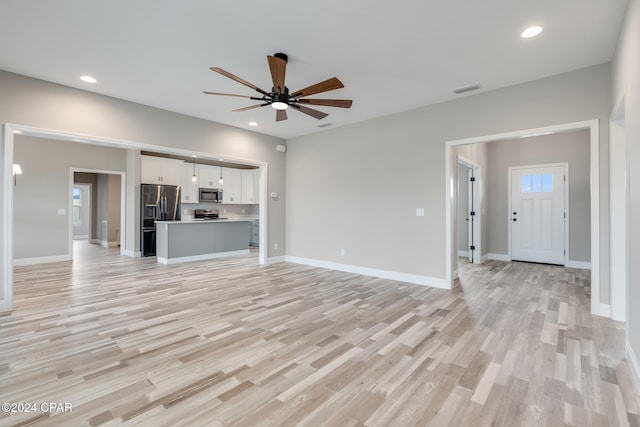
(592, 126)
(469, 211)
(538, 213)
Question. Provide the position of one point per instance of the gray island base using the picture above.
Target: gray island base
(183, 241)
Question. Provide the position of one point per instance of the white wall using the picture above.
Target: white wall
(626, 83)
(358, 187)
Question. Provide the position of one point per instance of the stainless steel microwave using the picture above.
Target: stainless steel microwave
(213, 195)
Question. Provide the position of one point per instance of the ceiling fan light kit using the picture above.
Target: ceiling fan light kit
(280, 99)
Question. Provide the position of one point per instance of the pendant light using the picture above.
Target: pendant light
(221, 181)
(194, 178)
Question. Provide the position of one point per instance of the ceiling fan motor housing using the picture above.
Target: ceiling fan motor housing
(282, 56)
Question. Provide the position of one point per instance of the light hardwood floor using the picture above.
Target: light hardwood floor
(231, 343)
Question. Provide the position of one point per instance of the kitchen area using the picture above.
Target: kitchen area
(196, 209)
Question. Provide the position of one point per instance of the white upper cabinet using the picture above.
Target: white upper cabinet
(209, 176)
(249, 187)
(158, 170)
(189, 191)
(232, 187)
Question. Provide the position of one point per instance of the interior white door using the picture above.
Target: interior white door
(538, 214)
(470, 214)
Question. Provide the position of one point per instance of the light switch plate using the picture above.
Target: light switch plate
(62, 211)
(419, 211)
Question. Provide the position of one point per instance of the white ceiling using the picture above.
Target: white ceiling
(391, 56)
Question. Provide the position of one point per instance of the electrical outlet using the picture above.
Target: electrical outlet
(224, 211)
(243, 211)
(275, 246)
(342, 252)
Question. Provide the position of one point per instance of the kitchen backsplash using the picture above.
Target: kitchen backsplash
(231, 210)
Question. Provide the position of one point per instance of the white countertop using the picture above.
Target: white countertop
(200, 221)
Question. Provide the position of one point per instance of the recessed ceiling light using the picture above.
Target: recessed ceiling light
(88, 79)
(253, 124)
(531, 32)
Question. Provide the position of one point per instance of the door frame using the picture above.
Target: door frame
(565, 165)
(6, 198)
(89, 188)
(477, 207)
(597, 307)
(123, 205)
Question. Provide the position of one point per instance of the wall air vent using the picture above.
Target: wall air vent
(324, 125)
(464, 89)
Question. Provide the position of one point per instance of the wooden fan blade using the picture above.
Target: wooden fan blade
(342, 103)
(325, 86)
(251, 107)
(225, 94)
(281, 115)
(310, 111)
(278, 68)
(238, 79)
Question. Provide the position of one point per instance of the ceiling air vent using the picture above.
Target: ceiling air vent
(324, 125)
(464, 89)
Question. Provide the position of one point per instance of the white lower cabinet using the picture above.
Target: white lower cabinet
(255, 233)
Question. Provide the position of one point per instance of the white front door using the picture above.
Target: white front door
(538, 214)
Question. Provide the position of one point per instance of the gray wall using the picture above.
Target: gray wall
(108, 208)
(31, 102)
(571, 147)
(43, 189)
(626, 82)
(357, 187)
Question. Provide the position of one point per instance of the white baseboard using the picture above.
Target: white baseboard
(276, 260)
(96, 241)
(464, 254)
(603, 310)
(106, 244)
(374, 272)
(19, 262)
(584, 265)
(132, 254)
(202, 257)
(499, 257)
(81, 237)
(632, 362)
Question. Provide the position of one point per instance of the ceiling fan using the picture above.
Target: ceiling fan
(280, 99)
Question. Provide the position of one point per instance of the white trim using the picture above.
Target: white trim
(510, 208)
(80, 237)
(202, 257)
(374, 272)
(632, 362)
(484, 258)
(499, 257)
(40, 260)
(464, 254)
(594, 127)
(584, 265)
(106, 244)
(132, 254)
(276, 260)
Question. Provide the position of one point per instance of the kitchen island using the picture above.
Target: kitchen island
(196, 240)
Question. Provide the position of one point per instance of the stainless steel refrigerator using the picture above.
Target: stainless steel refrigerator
(159, 203)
